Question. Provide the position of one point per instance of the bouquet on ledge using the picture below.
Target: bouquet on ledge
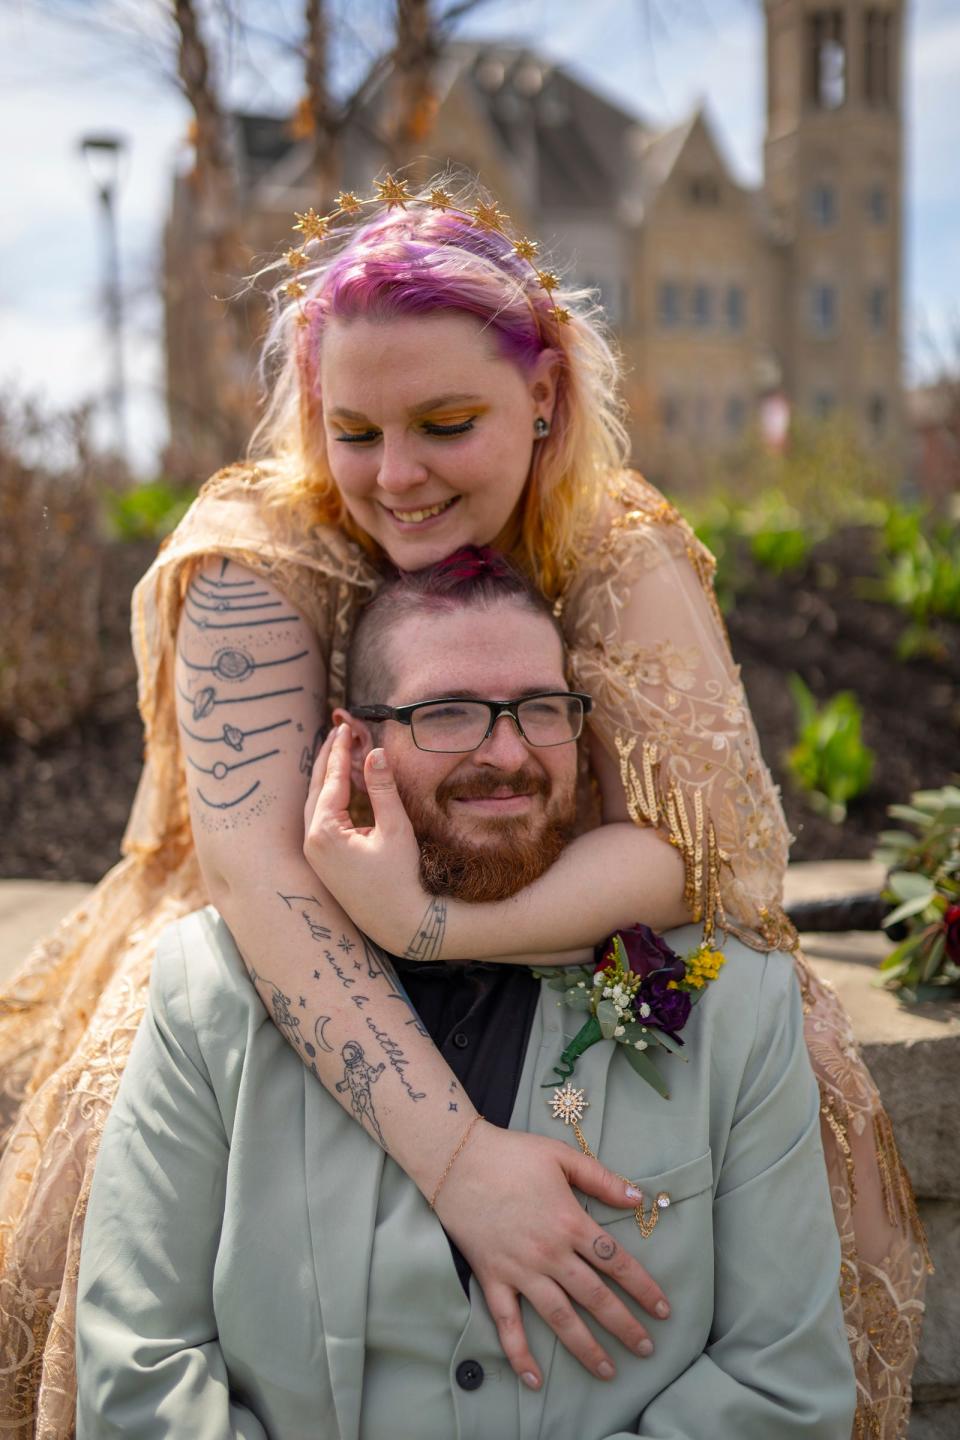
(639, 993)
(923, 882)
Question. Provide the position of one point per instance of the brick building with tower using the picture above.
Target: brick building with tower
(734, 306)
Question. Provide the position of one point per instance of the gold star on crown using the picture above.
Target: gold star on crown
(568, 1104)
(548, 280)
(489, 217)
(348, 203)
(393, 192)
(525, 249)
(294, 289)
(440, 199)
(311, 225)
(296, 259)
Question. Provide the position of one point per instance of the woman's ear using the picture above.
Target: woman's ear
(542, 383)
(361, 743)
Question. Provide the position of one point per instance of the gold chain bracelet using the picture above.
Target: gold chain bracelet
(432, 1202)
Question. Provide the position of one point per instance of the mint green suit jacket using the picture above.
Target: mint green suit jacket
(248, 1248)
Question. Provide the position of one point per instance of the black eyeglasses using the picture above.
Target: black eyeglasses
(554, 717)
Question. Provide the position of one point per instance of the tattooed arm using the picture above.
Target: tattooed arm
(250, 703)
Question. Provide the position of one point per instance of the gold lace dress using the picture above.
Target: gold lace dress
(647, 642)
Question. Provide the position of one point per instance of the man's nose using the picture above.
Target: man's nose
(504, 747)
(400, 468)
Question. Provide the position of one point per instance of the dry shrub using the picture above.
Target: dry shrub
(50, 569)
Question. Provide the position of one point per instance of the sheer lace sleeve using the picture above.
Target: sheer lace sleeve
(647, 641)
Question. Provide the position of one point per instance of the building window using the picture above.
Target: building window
(877, 308)
(877, 415)
(704, 190)
(823, 309)
(877, 206)
(670, 414)
(701, 415)
(826, 59)
(823, 206)
(701, 306)
(824, 404)
(878, 57)
(736, 414)
(735, 305)
(669, 304)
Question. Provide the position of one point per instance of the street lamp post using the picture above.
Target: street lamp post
(104, 156)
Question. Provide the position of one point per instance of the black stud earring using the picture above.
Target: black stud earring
(541, 427)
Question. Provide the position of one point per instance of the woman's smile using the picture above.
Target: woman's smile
(421, 518)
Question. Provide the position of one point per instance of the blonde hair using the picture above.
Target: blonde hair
(422, 260)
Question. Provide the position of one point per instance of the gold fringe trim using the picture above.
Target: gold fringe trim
(650, 803)
(898, 1197)
(837, 1117)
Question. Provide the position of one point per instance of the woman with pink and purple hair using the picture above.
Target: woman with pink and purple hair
(429, 388)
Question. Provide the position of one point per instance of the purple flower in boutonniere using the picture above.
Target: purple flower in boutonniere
(640, 994)
(660, 970)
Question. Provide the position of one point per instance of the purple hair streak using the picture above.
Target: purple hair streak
(427, 263)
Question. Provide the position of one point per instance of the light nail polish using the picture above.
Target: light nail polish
(530, 1380)
(645, 1347)
(662, 1309)
(605, 1370)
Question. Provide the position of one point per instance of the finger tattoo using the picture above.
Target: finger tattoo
(604, 1248)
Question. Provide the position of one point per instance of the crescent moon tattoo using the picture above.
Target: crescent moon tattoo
(321, 1039)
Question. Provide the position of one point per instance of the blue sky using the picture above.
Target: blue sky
(55, 85)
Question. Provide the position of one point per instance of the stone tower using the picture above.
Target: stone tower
(833, 180)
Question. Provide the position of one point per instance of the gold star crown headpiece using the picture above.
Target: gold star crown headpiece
(396, 195)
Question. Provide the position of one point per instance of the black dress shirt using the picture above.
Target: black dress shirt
(479, 1017)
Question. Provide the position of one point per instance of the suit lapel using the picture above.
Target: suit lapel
(553, 1028)
(343, 1170)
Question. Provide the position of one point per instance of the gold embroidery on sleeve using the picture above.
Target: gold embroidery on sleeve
(649, 803)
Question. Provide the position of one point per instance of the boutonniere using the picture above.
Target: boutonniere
(640, 993)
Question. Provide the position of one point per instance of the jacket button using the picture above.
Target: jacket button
(461, 1040)
(469, 1374)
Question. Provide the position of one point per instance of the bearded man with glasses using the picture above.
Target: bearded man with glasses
(254, 1266)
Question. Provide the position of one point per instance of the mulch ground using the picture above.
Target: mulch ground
(65, 802)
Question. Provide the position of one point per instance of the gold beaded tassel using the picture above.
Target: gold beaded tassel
(898, 1197)
(647, 804)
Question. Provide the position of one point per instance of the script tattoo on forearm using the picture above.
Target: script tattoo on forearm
(358, 1077)
(395, 1056)
(317, 931)
(427, 941)
(216, 670)
(378, 965)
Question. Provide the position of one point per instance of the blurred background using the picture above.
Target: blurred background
(764, 196)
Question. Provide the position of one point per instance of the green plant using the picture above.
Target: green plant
(146, 512)
(780, 538)
(923, 884)
(829, 760)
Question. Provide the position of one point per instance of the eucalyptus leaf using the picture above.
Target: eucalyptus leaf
(909, 907)
(577, 999)
(932, 963)
(558, 982)
(646, 1069)
(666, 1041)
(908, 813)
(608, 1018)
(909, 885)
